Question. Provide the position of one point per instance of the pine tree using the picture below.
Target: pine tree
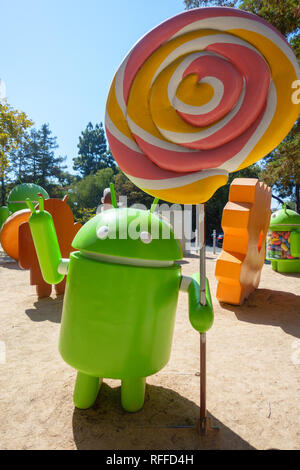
(35, 160)
(93, 154)
(281, 168)
(49, 165)
(283, 14)
(13, 125)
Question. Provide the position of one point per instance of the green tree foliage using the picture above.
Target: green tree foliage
(84, 214)
(13, 125)
(35, 161)
(283, 14)
(281, 168)
(189, 4)
(85, 195)
(93, 154)
(214, 207)
(124, 187)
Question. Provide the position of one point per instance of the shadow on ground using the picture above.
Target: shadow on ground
(294, 275)
(165, 422)
(47, 309)
(284, 312)
(190, 256)
(10, 264)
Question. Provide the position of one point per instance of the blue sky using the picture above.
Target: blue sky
(58, 57)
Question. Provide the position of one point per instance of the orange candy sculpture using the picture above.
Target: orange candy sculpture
(9, 235)
(245, 224)
(66, 230)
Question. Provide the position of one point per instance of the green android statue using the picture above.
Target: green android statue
(4, 214)
(283, 243)
(121, 298)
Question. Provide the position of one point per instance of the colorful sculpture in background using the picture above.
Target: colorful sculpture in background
(4, 214)
(185, 109)
(65, 229)
(17, 197)
(125, 330)
(16, 201)
(283, 243)
(9, 235)
(245, 224)
(16, 239)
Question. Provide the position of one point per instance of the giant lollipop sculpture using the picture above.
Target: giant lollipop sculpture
(203, 94)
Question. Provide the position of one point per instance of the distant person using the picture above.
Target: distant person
(106, 202)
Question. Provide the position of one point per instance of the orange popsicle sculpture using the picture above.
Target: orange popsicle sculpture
(245, 224)
(66, 230)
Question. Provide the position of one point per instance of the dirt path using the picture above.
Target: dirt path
(253, 376)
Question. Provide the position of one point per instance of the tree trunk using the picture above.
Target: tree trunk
(3, 191)
(297, 191)
(281, 201)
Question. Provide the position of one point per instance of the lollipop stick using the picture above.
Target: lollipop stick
(204, 424)
(202, 382)
(201, 232)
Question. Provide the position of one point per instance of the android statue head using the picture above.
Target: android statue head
(128, 234)
(285, 220)
(19, 194)
(283, 244)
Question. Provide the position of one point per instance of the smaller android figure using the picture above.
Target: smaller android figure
(283, 242)
(123, 330)
(66, 230)
(16, 200)
(4, 214)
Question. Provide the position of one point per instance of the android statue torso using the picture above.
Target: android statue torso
(118, 315)
(120, 322)
(283, 242)
(279, 245)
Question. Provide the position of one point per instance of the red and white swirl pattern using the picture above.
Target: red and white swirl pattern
(176, 148)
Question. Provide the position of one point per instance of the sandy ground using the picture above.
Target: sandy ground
(253, 380)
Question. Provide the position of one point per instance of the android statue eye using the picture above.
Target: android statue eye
(102, 232)
(146, 237)
(273, 215)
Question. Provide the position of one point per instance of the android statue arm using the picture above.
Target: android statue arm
(53, 266)
(295, 244)
(201, 316)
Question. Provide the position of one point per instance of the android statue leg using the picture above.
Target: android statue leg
(133, 393)
(43, 290)
(86, 390)
(274, 264)
(60, 288)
